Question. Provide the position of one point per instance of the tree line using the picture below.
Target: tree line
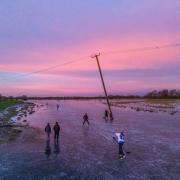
(162, 94)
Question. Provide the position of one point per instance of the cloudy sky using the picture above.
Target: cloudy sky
(36, 35)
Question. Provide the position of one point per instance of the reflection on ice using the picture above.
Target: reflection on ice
(48, 148)
(56, 148)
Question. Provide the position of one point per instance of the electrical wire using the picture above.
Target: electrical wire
(175, 45)
(47, 69)
(150, 48)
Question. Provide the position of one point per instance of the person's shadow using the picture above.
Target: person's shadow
(48, 148)
(86, 130)
(56, 148)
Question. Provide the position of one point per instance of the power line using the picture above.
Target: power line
(148, 48)
(47, 69)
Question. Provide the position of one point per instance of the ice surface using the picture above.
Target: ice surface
(89, 152)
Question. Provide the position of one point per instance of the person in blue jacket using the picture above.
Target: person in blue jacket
(121, 141)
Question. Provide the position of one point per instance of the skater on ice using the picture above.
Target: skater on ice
(56, 132)
(48, 130)
(86, 119)
(120, 140)
(106, 114)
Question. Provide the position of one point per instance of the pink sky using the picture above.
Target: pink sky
(40, 37)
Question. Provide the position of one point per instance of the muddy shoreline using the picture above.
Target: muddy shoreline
(13, 121)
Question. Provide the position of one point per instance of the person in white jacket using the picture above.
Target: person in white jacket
(121, 141)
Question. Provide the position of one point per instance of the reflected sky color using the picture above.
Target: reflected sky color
(39, 34)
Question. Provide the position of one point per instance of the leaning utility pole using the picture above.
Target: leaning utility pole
(104, 87)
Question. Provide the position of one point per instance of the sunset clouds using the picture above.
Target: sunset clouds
(37, 35)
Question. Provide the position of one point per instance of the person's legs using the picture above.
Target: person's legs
(57, 137)
(48, 135)
(87, 121)
(120, 150)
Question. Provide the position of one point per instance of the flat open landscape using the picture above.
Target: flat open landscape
(152, 138)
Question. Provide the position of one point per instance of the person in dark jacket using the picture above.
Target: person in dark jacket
(48, 130)
(86, 119)
(57, 106)
(56, 132)
(106, 114)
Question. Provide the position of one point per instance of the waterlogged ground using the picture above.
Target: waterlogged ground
(90, 152)
(170, 106)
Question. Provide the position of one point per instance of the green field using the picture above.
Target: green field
(7, 103)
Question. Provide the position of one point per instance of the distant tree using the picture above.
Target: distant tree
(164, 93)
(173, 93)
(24, 97)
(178, 93)
(10, 97)
(152, 94)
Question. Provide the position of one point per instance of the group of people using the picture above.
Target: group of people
(57, 106)
(120, 136)
(107, 115)
(56, 131)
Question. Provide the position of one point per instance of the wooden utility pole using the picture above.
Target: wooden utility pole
(104, 87)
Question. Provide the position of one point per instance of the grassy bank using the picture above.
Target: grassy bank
(10, 131)
(8, 103)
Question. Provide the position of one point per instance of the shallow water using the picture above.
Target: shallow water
(90, 152)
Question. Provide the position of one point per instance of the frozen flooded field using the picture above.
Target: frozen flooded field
(152, 138)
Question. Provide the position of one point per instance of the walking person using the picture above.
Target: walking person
(86, 119)
(56, 132)
(106, 114)
(57, 107)
(47, 105)
(48, 130)
(121, 141)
